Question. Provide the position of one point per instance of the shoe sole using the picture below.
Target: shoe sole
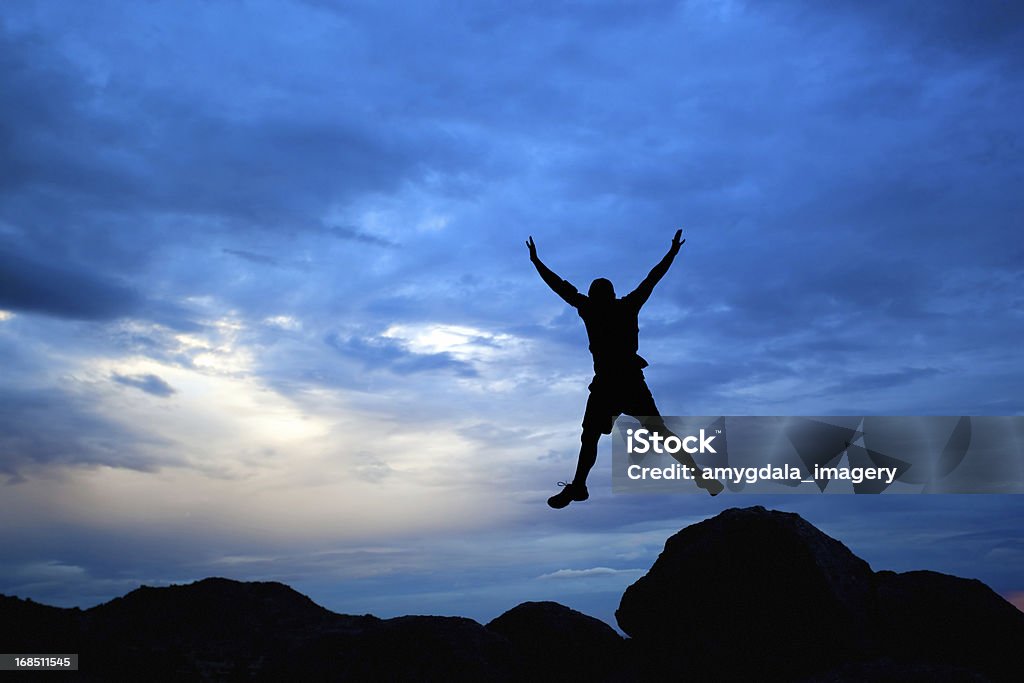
(574, 499)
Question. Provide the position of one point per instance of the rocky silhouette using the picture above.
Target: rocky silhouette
(750, 594)
(766, 584)
(557, 643)
(753, 594)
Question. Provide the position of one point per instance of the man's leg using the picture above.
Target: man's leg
(588, 456)
(576, 490)
(656, 424)
(642, 402)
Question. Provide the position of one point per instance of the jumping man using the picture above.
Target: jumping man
(619, 385)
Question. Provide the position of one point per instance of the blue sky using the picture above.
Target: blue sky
(266, 310)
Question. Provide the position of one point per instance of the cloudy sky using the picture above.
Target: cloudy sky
(266, 310)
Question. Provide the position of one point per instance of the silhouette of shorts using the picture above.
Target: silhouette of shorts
(611, 397)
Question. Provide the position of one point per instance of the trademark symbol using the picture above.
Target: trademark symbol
(718, 431)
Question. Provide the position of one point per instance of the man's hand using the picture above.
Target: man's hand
(676, 242)
(532, 247)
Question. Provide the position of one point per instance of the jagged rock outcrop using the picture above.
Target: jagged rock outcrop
(751, 590)
(424, 648)
(25, 623)
(214, 628)
(556, 643)
(926, 616)
(750, 594)
(759, 594)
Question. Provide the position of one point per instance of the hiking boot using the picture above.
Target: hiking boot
(570, 492)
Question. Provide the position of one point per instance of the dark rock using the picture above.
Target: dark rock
(419, 648)
(887, 670)
(555, 643)
(931, 617)
(214, 628)
(754, 594)
(25, 625)
(750, 593)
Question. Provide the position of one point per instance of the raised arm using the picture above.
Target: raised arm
(561, 287)
(644, 289)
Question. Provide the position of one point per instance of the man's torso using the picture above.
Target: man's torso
(613, 331)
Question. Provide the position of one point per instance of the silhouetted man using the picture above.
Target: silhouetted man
(619, 385)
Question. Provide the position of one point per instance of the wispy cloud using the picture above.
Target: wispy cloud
(593, 571)
(252, 257)
(350, 233)
(149, 383)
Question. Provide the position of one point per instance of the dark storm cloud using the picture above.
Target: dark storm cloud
(37, 88)
(265, 173)
(72, 290)
(62, 290)
(149, 383)
(48, 428)
(115, 169)
(968, 29)
(292, 167)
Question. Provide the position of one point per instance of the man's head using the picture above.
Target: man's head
(601, 291)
